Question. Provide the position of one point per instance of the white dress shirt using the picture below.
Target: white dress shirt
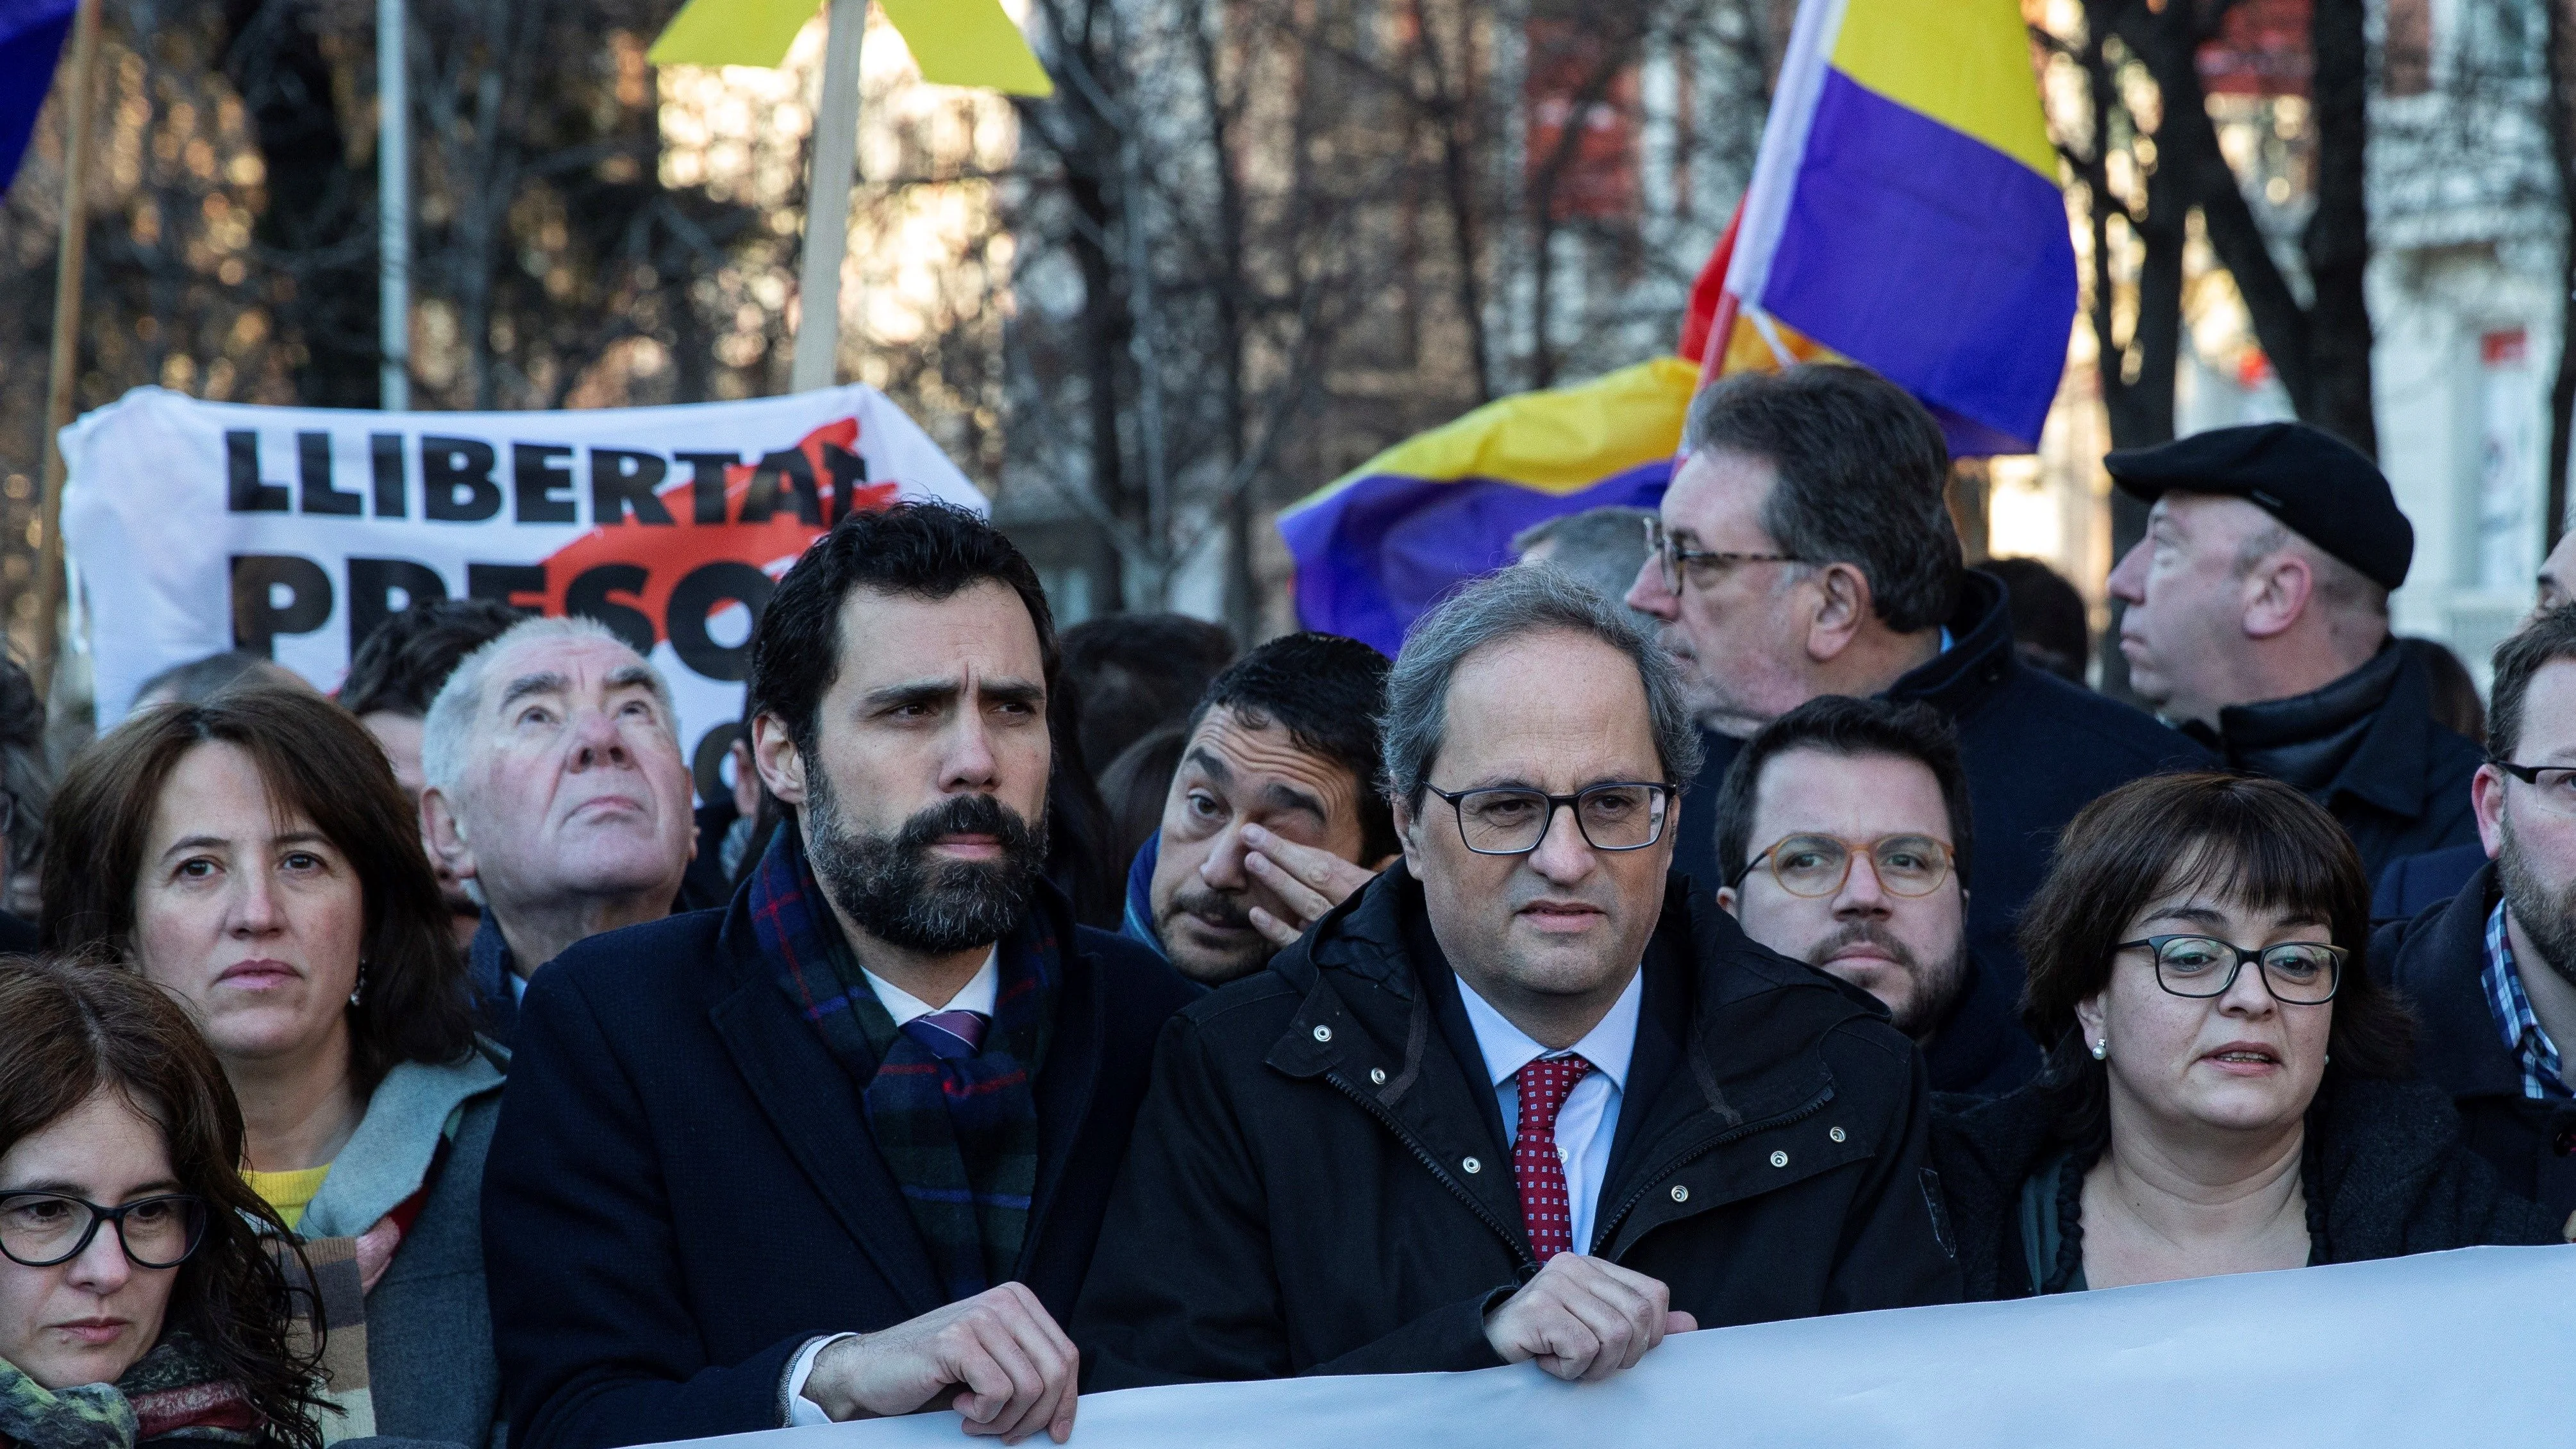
(978, 995)
(1588, 1122)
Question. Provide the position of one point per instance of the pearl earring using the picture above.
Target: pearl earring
(2102, 1049)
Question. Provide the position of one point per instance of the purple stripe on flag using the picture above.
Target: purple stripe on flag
(1930, 256)
(31, 39)
(1376, 554)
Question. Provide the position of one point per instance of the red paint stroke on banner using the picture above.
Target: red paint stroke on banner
(667, 553)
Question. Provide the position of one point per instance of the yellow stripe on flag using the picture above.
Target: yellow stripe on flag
(732, 32)
(968, 43)
(1964, 63)
(1560, 441)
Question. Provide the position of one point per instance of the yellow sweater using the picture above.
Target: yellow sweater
(289, 1192)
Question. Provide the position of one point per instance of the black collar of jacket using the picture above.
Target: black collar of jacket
(2373, 725)
(1728, 1042)
(1980, 660)
(2438, 962)
(2373, 1144)
(818, 1112)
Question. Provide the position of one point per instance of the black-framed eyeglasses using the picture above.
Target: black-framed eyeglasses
(41, 1229)
(1814, 865)
(1619, 815)
(2555, 785)
(2297, 973)
(1671, 557)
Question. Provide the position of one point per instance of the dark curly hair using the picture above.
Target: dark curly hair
(317, 759)
(78, 1027)
(2257, 841)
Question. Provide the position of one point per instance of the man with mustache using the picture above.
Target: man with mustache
(841, 1149)
(1274, 816)
(1843, 833)
(1527, 1097)
(2492, 971)
(555, 792)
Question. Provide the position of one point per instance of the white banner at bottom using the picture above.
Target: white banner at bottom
(2472, 1348)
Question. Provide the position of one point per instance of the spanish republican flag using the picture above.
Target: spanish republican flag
(1384, 542)
(1905, 214)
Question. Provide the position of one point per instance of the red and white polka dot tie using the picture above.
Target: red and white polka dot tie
(1536, 1164)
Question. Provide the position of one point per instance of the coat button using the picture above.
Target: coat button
(1323, 1033)
(1779, 1159)
(1836, 1134)
(1377, 1076)
(1680, 1193)
(1472, 1165)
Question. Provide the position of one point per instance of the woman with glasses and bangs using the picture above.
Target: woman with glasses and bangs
(2226, 1089)
(138, 1302)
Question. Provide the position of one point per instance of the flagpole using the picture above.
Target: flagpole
(72, 261)
(827, 200)
(393, 204)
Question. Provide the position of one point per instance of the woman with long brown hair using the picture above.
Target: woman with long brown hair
(2226, 1088)
(253, 855)
(137, 1301)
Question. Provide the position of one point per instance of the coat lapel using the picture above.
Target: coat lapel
(813, 1104)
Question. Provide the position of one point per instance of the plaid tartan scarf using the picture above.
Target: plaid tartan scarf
(960, 1136)
(169, 1389)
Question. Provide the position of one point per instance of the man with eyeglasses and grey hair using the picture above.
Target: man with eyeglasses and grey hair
(556, 791)
(1524, 1097)
(1805, 548)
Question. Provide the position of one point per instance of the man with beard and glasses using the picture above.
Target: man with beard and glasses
(841, 1149)
(1274, 816)
(2492, 971)
(1844, 836)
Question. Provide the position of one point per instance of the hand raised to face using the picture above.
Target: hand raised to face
(1308, 882)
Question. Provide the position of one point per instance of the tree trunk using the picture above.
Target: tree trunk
(274, 61)
(2338, 234)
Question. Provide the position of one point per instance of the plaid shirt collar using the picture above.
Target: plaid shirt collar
(2542, 1076)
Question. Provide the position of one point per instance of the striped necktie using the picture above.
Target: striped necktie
(949, 1035)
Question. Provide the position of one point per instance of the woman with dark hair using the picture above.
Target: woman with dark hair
(137, 1301)
(2225, 1088)
(253, 855)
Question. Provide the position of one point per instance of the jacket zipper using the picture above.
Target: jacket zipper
(1387, 1120)
(1610, 1226)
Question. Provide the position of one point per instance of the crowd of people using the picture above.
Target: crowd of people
(1733, 912)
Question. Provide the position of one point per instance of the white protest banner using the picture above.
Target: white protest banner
(2468, 1348)
(194, 527)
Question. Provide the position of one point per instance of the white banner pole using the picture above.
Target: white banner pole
(393, 202)
(827, 199)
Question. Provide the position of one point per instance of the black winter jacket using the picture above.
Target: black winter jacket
(2037, 749)
(2388, 1162)
(684, 1188)
(2366, 748)
(1319, 1181)
(2436, 961)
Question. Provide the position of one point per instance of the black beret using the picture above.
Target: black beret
(2319, 486)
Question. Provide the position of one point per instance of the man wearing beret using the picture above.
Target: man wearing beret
(2258, 620)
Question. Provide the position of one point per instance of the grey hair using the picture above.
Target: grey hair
(447, 732)
(1508, 605)
(2339, 585)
